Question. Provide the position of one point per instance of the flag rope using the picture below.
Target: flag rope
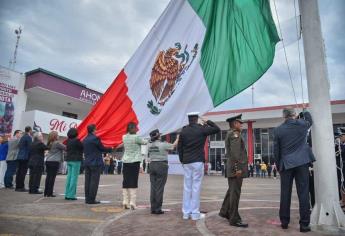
(286, 59)
(298, 32)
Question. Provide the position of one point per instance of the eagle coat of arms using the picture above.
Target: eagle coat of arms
(167, 72)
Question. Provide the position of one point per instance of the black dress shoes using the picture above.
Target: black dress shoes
(239, 224)
(223, 215)
(50, 195)
(21, 190)
(157, 212)
(35, 192)
(94, 202)
(304, 229)
(284, 226)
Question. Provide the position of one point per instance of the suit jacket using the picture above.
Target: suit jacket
(36, 153)
(236, 154)
(93, 150)
(12, 149)
(192, 141)
(290, 143)
(24, 145)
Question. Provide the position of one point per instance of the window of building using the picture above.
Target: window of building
(70, 115)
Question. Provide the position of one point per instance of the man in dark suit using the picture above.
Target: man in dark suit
(293, 156)
(22, 159)
(93, 150)
(191, 154)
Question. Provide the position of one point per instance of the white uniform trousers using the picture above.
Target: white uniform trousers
(193, 174)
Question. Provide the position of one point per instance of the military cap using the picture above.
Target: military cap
(154, 133)
(235, 118)
(194, 113)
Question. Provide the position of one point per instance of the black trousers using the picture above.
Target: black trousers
(301, 176)
(158, 178)
(52, 168)
(130, 175)
(21, 173)
(311, 188)
(232, 200)
(92, 176)
(35, 178)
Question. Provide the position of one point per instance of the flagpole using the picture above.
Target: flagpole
(327, 212)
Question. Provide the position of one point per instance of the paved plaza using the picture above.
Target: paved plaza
(25, 214)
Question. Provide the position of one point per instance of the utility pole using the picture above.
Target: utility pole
(327, 213)
(14, 60)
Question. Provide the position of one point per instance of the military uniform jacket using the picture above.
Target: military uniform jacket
(236, 154)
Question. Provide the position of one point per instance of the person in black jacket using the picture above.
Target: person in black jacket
(74, 157)
(93, 149)
(36, 163)
(191, 153)
(293, 156)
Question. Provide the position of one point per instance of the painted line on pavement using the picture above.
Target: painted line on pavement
(99, 230)
(38, 200)
(201, 224)
(51, 218)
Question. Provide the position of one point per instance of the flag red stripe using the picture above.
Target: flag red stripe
(111, 113)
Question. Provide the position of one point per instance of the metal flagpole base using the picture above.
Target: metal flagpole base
(324, 216)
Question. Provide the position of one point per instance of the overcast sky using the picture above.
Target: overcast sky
(90, 41)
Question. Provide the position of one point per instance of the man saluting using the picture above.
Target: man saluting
(236, 170)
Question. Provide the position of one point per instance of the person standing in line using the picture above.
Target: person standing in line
(340, 161)
(269, 170)
(274, 169)
(93, 151)
(36, 162)
(257, 169)
(132, 161)
(112, 165)
(251, 170)
(237, 169)
(22, 159)
(119, 165)
(74, 157)
(158, 154)
(13, 149)
(106, 164)
(53, 160)
(192, 155)
(293, 156)
(3, 155)
(263, 167)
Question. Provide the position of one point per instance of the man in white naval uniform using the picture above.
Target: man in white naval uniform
(192, 156)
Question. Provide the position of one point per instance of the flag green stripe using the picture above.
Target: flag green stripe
(239, 44)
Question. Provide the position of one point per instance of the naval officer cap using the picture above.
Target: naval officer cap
(154, 133)
(194, 113)
(235, 118)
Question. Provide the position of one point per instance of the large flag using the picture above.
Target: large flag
(198, 54)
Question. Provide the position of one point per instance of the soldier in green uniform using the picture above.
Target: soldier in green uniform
(236, 170)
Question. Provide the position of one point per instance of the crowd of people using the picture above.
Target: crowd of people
(260, 169)
(292, 154)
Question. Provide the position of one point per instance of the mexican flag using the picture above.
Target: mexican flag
(198, 54)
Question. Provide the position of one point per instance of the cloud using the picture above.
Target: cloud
(90, 41)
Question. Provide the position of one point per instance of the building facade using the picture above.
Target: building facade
(258, 131)
(47, 101)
